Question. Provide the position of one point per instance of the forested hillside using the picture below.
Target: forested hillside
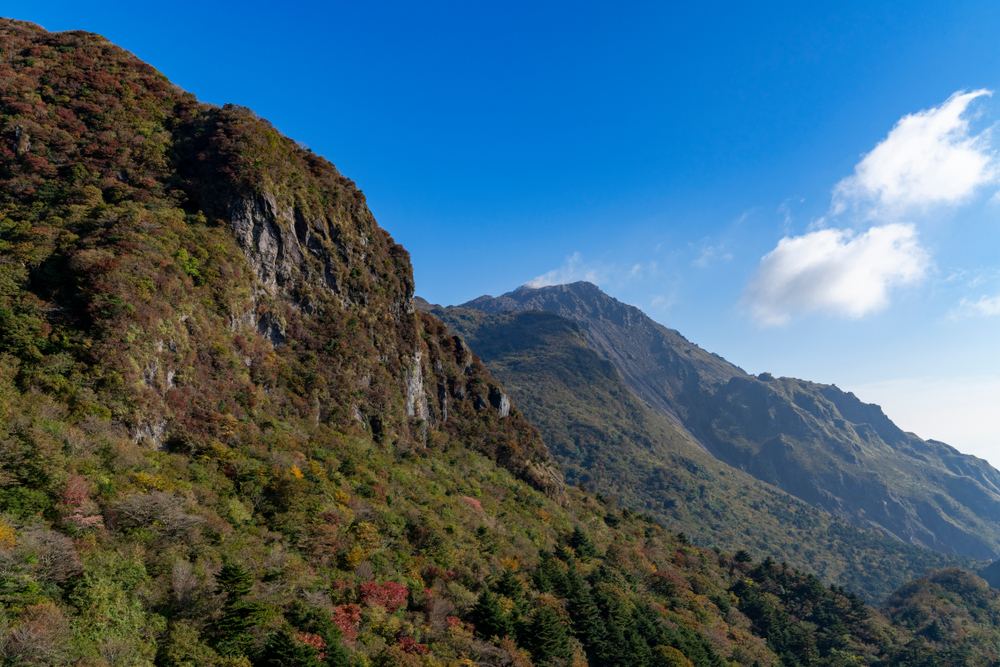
(227, 439)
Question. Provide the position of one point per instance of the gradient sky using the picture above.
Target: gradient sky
(805, 190)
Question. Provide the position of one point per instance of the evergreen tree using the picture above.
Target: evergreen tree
(588, 626)
(232, 631)
(547, 638)
(234, 580)
(509, 585)
(582, 544)
(239, 617)
(317, 621)
(283, 649)
(488, 617)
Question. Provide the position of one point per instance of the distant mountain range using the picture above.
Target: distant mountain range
(818, 443)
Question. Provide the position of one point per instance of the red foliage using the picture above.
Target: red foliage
(317, 642)
(347, 617)
(473, 503)
(75, 493)
(410, 645)
(389, 595)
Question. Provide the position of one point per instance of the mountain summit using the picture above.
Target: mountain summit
(818, 443)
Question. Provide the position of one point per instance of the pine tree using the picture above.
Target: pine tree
(588, 626)
(233, 580)
(488, 617)
(509, 585)
(232, 631)
(582, 544)
(283, 649)
(547, 637)
(318, 621)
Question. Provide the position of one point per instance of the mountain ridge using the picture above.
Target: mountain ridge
(606, 437)
(227, 440)
(815, 441)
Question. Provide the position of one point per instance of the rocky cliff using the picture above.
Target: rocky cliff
(186, 270)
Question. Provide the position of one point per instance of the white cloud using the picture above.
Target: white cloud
(986, 306)
(836, 272)
(572, 270)
(928, 158)
(708, 253)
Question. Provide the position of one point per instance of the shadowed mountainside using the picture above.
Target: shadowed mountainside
(814, 441)
(605, 437)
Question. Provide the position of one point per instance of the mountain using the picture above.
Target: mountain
(228, 440)
(606, 438)
(814, 441)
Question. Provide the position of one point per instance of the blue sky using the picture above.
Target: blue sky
(802, 189)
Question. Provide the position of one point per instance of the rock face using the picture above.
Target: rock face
(416, 399)
(814, 441)
(266, 237)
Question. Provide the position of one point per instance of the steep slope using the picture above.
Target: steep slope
(814, 441)
(659, 364)
(226, 440)
(605, 437)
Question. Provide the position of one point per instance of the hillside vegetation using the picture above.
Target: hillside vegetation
(606, 438)
(814, 441)
(226, 438)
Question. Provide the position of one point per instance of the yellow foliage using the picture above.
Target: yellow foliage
(316, 469)
(543, 515)
(518, 657)
(506, 605)
(234, 661)
(8, 536)
(356, 555)
(218, 451)
(145, 481)
(513, 563)
(366, 534)
(296, 473)
(341, 496)
(670, 657)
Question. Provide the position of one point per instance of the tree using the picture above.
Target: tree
(284, 649)
(547, 637)
(582, 544)
(488, 617)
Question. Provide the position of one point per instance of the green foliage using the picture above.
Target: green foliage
(488, 618)
(200, 469)
(547, 637)
(604, 436)
(284, 649)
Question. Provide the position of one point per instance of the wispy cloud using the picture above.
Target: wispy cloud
(835, 272)
(572, 270)
(928, 158)
(985, 306)
(710, 252)
(575, 268)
